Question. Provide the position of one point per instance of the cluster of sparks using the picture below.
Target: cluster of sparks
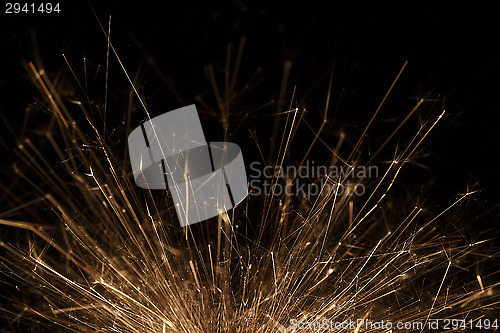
(96, 254)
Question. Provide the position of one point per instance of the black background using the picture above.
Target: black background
(451, 48)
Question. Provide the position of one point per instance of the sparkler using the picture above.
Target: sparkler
(95, 254)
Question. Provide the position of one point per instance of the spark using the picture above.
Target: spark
(96, 254)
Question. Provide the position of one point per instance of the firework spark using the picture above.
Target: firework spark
(94, 253)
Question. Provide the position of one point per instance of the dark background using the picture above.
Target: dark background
(453, 63)
(451, 48)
